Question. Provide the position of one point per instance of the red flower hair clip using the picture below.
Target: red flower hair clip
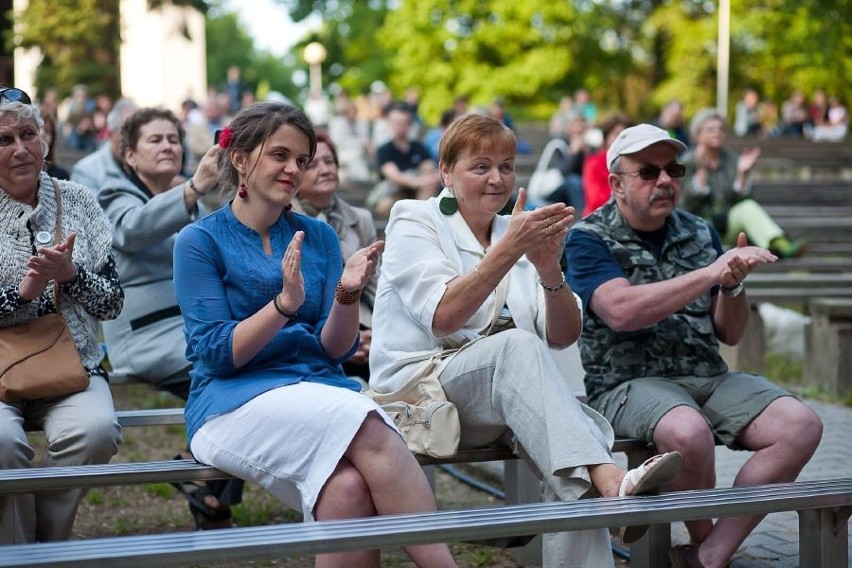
(225, 138)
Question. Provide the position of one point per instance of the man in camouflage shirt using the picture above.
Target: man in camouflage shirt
(659, 294)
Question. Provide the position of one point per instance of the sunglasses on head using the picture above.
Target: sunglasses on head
(651, 173)
(15, 95)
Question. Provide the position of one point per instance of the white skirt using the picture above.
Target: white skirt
(288, 440)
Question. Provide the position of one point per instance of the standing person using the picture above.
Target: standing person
(146, 210)
(271, 312)
(717, 187)
(660, 294)
(448, 260)
(80, 428)
(354, 226)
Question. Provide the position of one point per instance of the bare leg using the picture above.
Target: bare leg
(784, 437)
(685, 430)
(396, 482)
(346, 496)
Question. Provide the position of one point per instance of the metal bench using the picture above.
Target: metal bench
(823, 507)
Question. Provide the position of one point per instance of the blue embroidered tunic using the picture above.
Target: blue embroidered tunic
(223, 276)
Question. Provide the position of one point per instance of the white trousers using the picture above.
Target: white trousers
(80, 429)
(509, 384)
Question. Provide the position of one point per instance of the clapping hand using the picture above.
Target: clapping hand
(361, 266)
(540, 233)
(51, 263)
(293, 290)
(738, 262)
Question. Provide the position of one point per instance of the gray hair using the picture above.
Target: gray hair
(703, 116)
(119, 113)
(23, 111)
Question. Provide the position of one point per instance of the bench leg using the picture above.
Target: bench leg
(823, 538)
(522, 486)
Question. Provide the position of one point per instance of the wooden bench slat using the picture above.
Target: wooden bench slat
(237, 544)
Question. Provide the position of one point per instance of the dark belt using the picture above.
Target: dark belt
(154, 317)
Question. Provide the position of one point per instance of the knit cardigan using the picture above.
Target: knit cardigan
(92, 252)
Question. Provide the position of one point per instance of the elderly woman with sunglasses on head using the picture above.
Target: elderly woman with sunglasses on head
(354, 227)
(457, 274)
(80, 428)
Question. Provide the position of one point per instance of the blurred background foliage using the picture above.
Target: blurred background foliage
(631, 55)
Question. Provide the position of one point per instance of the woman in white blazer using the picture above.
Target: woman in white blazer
(456, 273)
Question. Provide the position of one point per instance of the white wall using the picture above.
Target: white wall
(159, 66)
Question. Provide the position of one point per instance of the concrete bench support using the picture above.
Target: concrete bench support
(828, 346)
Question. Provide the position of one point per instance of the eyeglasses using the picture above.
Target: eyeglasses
(651, 173)
(15, 95)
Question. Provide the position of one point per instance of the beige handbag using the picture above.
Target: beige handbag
(39, 359)
(420, 409)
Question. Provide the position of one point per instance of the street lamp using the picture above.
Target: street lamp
(315, 54)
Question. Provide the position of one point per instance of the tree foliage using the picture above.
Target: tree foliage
(79, 40)
(631, 55)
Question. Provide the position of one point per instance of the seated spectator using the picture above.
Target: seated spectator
(432, 138)
(147, 210)
(405, 167)
(747, 119)
(596, 189)
(444, 284)
(53, 169)
(834, 130)
(94, 170)
(74, 277)
(79, 123)
(352, 137)
(271, 311)
(717, 187)
(354, 226)
(659, 295)
(794, 115)
(570, 191)
(559, 120)
(672, 121)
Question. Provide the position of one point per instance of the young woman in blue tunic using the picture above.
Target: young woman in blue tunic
(271, 312)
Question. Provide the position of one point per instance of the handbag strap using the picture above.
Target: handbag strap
(555, 144)
(57, 235)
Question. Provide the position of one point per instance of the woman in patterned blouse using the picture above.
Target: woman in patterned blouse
(80, 428)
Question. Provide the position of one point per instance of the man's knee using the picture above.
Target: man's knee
(684, 428)
(802, 427)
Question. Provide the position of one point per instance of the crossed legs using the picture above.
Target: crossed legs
(378, 475)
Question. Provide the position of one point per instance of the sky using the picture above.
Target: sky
(269, 24)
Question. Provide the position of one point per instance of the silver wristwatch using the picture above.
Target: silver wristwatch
(732, 292)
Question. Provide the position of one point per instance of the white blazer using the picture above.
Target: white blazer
(424, 250)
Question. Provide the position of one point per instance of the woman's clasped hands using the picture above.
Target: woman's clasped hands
(541, 233)
(51, 263)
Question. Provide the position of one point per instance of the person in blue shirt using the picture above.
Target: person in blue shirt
(270, 313)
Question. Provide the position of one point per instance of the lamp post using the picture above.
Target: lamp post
(315, 54)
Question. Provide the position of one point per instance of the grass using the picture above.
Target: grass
(790, 373)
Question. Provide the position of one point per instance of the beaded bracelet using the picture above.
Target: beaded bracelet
(553, 288)
(281, 310)
(194, 187)
(344, 297)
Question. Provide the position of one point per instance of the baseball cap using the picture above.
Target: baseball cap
(637, 138)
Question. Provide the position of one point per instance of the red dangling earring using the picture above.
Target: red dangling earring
(242, 192)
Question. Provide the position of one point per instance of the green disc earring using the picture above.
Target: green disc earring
(448, 205)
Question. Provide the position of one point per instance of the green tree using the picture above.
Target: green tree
(80, 41)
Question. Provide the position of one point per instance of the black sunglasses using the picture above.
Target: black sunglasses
(15, 95)
(651, 173)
